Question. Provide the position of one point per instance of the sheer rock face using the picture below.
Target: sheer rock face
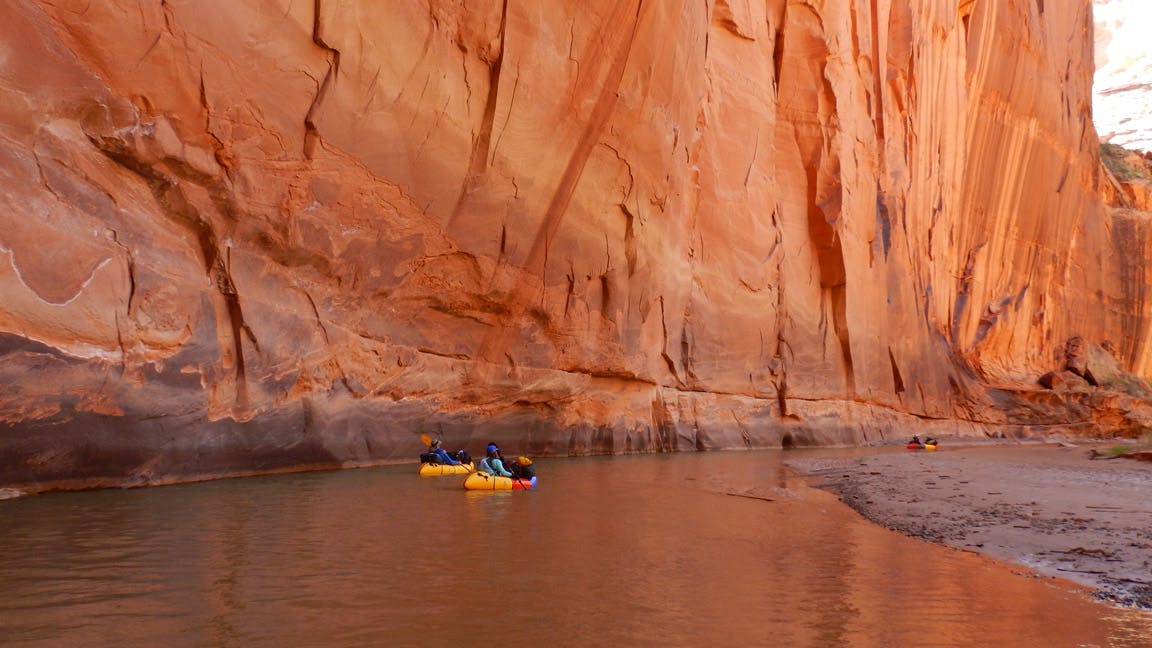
(245, 236)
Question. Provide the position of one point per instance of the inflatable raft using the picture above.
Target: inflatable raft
(484, 481)
(921, 446)
(435, 470)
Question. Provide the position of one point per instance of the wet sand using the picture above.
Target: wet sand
(1048, 507)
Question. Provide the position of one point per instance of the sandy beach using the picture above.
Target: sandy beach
(1049, 507)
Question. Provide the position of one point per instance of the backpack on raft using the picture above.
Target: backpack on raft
(429, 457)
(522, 467)
(462, 456)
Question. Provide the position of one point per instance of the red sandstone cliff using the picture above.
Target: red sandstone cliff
(253, 235)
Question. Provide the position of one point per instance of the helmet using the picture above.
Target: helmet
(492, 448)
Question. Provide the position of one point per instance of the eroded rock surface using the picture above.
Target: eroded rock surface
(254, 235)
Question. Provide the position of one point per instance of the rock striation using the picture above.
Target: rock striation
(249, 236)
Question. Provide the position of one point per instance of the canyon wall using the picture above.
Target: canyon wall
(248, 236)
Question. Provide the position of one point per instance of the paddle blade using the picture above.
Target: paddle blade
(426, 439)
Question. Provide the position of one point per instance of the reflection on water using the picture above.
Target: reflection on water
(656, 550)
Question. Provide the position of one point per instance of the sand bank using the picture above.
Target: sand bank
(1048, 507)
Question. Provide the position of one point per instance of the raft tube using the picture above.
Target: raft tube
(485, 481)
(435, 470)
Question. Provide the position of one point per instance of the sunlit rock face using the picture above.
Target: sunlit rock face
(1122, 101)
(245, 236)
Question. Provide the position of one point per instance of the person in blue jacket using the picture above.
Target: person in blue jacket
(441, 455)
(493, 464)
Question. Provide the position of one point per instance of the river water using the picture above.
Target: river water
(671, 550)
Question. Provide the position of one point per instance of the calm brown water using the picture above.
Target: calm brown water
(675, 550)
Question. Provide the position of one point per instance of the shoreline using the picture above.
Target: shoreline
(1047, 507)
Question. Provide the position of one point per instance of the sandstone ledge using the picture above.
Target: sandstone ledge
(94, 451)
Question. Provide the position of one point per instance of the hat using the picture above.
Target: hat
(436, 442)
(492, 448)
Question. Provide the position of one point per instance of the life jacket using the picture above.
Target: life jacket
(486, 466)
